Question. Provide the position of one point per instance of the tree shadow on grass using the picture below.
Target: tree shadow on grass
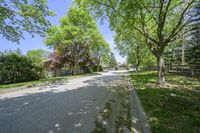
(172, 109)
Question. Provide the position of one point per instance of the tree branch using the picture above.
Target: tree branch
(178, 36)
(173, 32)
(150, 12)
(104, 4)
(145, 34)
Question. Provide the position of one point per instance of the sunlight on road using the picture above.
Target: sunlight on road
(66, 86)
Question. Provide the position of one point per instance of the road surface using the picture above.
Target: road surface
(69, 107)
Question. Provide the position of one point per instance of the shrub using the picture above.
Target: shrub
(15, 68)
(95, 68)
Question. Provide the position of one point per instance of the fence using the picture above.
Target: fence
(186, 70)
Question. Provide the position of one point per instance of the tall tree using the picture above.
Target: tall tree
(113, 62)
(17, 16)
(133, 46)
(194, 36)
(160, 22)
(99, 50)
(75, 38)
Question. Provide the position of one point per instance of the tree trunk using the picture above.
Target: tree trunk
(55, 72)
(136, 68)
(98, 68)
(161, 69)
(183, 54)
(73, 69)
(137, 65)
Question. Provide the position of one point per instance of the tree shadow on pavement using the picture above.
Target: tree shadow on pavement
(44, 111)
(67, 110)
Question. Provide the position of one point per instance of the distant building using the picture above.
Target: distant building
(132, 67)
(122, 66)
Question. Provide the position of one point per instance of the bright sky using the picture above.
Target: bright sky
(60, 8)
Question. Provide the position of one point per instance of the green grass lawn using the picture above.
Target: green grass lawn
(171, 109)
(42, 81)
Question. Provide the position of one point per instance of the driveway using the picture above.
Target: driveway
(69, 107)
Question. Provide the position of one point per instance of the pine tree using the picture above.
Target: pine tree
(113, 61)
(194, 41)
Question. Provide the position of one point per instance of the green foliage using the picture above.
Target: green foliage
(100, 50)
(127, 65)
(77, 40)
(159, 22)
(113, 62)
(146, 17)
(133, 46)
(194, 41)
(76, 27)
(17, 16)
(17, 68)
(97, 68)
(194, 55)
(37, 56)
(191, 42)
(195, 25)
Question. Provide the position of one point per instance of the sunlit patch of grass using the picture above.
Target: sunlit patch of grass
(173, 108)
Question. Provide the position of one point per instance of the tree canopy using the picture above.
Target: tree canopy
(160, 22)
(133, 46)
(194, 41)
(37, 56)
(77, 39)
(113, 62)
(17, 16)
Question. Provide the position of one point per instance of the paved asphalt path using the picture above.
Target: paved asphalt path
(68, 107)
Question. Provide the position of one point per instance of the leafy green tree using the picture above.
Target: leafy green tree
(99, 50)
(17, 68)
(71, 37)
(133, 46)
(194, 41)
(76, 39)
(140, 56)
(191, 42)
(37, 56)
(127, 65)
(113, 62)
(17, 16)
(159, 22)
(195, 30)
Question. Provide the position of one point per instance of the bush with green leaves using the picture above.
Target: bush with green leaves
(15, 68)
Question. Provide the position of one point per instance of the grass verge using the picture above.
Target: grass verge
(171, 109)
(42, 81)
